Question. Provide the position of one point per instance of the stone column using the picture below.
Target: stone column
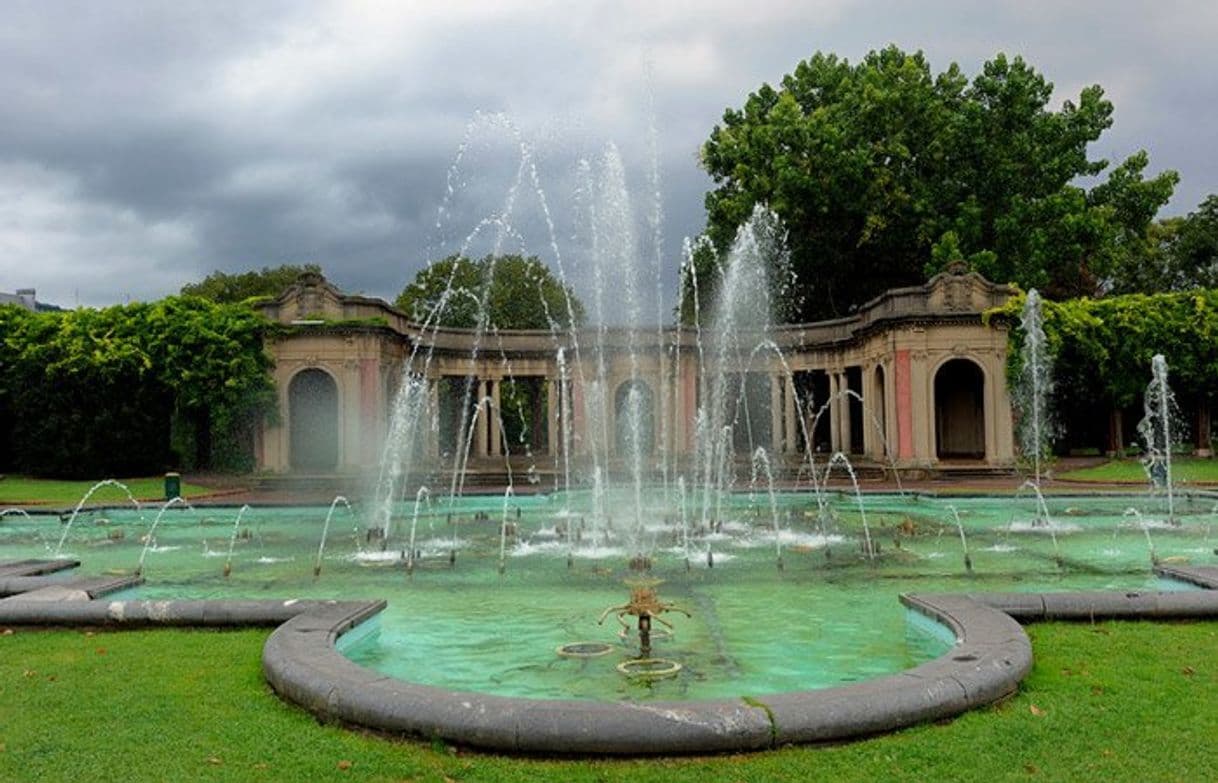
(433, 417)
(370, 429)
(923, 386)
(835, 415)
(869, 434)
(553, 431)
(480, 426)
(495, 414)
(902, 406)
(790, 411)
(689, 405)
(579, 422)
(843, 408)
(776, 432)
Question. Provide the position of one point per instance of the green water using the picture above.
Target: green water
(830, 616)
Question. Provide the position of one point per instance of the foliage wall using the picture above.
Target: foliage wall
(1103, 350)
(127, 390)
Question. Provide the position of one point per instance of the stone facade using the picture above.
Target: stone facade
(913, 379)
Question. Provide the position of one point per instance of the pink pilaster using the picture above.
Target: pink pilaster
(689, 405)
(577, 414)
(904, 392)
(369, 392)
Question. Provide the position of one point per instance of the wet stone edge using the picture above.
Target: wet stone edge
(990, 657)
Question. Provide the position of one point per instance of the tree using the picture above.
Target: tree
(1150, 267)
(523, 294)
(229, 288)
(116, 391)
(884, 172)
(1103, 348)
(1194, 247)
(1177, 254)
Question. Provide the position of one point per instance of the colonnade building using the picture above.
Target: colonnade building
(915, 379)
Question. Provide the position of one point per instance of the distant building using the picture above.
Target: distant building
(25, 298)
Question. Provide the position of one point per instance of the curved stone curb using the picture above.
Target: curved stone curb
(1202, 576)
(991, 656)
(28, 610)
(20, 568)
(302, 664)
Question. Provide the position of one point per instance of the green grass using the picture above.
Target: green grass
(16, 490)
(1117, 701)
(1184, 470)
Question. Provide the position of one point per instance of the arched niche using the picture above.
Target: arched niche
(960, 410)
(313, 421)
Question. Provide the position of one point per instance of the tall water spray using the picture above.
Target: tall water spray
(616, 403)
(740, 320)
(414, 405)
(1158, 430)
(1035, 388)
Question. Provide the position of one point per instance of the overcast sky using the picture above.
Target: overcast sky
(144, 144)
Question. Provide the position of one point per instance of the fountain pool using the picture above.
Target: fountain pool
(830, 616)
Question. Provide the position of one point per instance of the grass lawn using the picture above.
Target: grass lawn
(1116, 701)
(1183, 470)
(16, 490)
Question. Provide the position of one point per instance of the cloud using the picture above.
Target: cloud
(146, 144)
(74, 250)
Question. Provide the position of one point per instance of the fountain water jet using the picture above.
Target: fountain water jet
(1157, 431)
(232, 540)
(325, 529)
(150, 536)
(762, 460)
(968, 559)
(76, 511)
(1035, 386)
(841, 459)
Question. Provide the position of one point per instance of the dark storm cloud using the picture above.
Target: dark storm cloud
(145, 144)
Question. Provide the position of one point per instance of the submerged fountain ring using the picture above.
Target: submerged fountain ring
(657, 634)
(583, 649)
(649, 668)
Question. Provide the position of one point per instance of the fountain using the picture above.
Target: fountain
(968, 559)
(624, 508)
(1035, 387)
(645, 605)
(1158, 431)
(232, 541)
(67, 528)
(325, 531)
(743, 628)
(150, 536)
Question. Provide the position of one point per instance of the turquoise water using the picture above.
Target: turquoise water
(830, 616)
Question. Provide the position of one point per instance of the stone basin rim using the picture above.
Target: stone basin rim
(991, 656)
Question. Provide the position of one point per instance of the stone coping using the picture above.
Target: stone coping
(991, 656)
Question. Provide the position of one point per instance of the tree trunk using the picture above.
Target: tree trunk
(202, 419)
(1116, 432)
(1202, 439)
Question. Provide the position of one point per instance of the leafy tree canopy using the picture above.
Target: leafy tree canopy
(101, 392)
(227, 288)
(1177, 254)
(884, 172)
(523, 294)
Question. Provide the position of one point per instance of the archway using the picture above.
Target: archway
(313, 420)
(634, 418)
(960, 410)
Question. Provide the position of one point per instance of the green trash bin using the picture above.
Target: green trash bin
(173, 485)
